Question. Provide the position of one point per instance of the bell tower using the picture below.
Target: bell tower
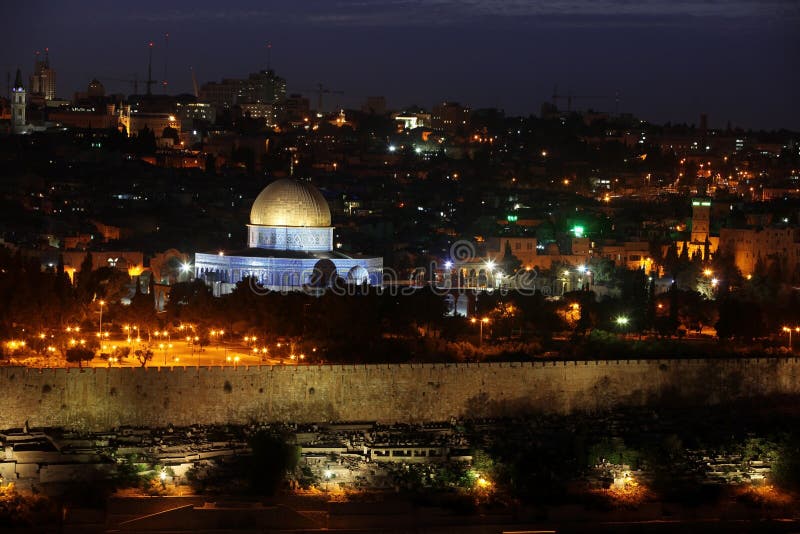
(18, 103)
(701, 219)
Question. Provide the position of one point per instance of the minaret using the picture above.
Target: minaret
(18, 105)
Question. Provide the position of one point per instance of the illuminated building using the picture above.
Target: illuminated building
(749, 247)
(290, 246)
(532, 254)
(265, 112)
(191, 114)
(409, 121)
(155, 122)
(43, 80)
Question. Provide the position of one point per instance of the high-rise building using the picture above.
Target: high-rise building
(18, 103)
(95, 89)
(296, 108)
(263, 87)
(266, 87)
(193, 113)
(43, 80)
(450, 117)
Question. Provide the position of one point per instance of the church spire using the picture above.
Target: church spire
(18, 82)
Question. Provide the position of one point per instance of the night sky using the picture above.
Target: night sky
(737, 60)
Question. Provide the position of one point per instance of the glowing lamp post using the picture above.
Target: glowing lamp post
(483, 321)
(102, 303)
(622, 322)
(789, 330)
(186, 268)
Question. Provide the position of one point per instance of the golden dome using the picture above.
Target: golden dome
(287, 202)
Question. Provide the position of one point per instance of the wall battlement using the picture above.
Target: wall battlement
(103, 398)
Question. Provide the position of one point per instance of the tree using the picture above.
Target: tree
(272, 459)
(651, 302)
(144, 142)
(84, 277)
(203, 341)
(121, 352)
(684, 255)
(143, 355)
(739, 319)
(170, 133)
(139, 312)
(510, 263)
(79, 355)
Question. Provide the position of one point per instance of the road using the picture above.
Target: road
(181, 354)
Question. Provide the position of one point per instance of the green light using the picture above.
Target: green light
(511, 218)
(578, 231)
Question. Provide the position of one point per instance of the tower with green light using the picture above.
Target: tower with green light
(701, 219)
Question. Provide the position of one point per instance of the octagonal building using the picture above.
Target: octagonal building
(290, 246)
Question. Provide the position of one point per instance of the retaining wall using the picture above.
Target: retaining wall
(102, 398)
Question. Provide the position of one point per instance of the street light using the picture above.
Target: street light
(788, 330)
(622, 322)
(483, 321)
(102, 303)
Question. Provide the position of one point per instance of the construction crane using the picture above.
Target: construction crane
(134, 82)
(150, 80)
(320, 90)
(166, 55)
(194, 84)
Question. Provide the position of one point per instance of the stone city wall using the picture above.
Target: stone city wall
(101, 398)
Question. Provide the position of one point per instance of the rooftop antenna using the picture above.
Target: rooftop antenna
(166, 54)
(269, 57)
(150, 71)
(46, 57)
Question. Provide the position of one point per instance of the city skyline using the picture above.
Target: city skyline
(668, 62)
